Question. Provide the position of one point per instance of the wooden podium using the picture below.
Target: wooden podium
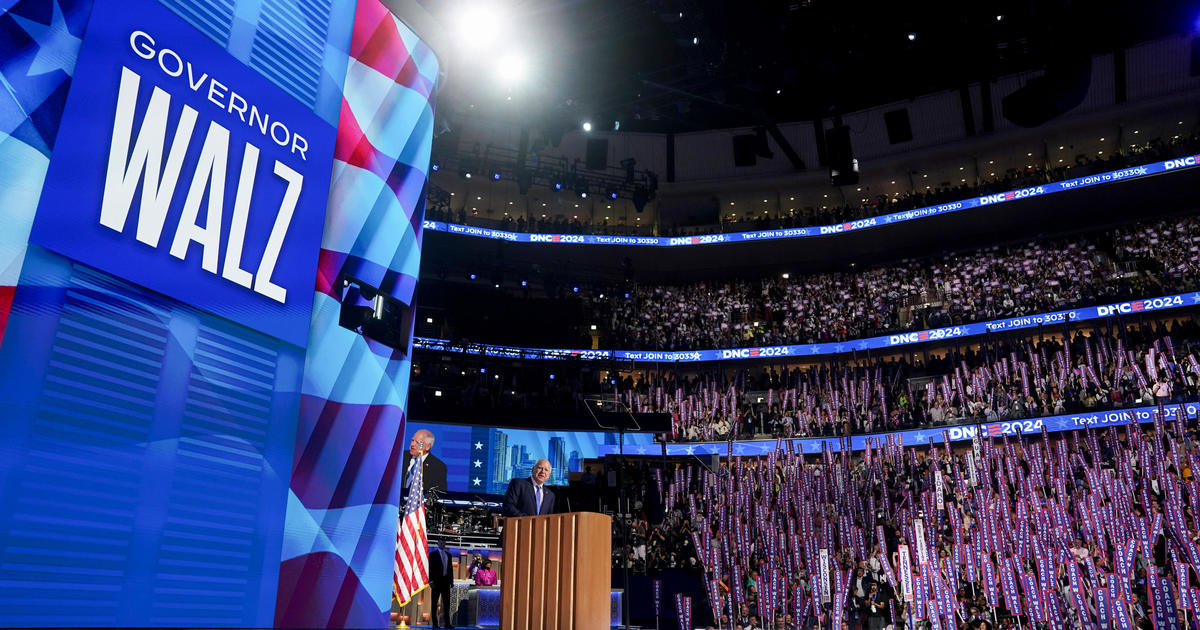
(557, 572)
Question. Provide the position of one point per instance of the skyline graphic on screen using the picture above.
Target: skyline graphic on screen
(483, 460)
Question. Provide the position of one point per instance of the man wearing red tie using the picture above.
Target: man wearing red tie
(530, 496)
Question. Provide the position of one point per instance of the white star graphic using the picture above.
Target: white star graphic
(476, 481)
(921, 437)
(57, 47)
(479, 446)
(816, 349)
(1196, 298)
(691, 450)
(641, 450)
(838, 347)
(478, 463)
(887, 219)
(862, 344)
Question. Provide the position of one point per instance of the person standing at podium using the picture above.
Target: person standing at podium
(530, 496)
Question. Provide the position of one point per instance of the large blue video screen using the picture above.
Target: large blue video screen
(483, 459)
(184, 171)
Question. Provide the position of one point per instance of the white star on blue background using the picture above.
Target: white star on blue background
(478, 463)
(816, 349)
(479, 446)
(476, 481)
(691, 450)
(1196, 298)
(57, 47)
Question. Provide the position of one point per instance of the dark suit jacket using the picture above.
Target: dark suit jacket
(440, 574)
(520, 500)
(433, 472)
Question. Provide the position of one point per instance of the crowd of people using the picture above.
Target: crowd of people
(1024, 377)
(1103, 367)
(1088, 528)
(1138, 260)
(439, 207)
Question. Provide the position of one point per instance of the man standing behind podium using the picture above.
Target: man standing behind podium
(529, 496)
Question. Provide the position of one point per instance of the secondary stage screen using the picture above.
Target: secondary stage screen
(483, 459)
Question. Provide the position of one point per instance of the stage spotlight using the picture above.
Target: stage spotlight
(467, 174)
(473, 276)
(496, 176)
(912, 37)
(524, 283)
(583, 195)
(587, 127)
(435, 167)
(557, 185)
(574, 289)
(512, 68)
(479, 25)
(612, 194)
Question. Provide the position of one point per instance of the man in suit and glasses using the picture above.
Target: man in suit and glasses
(433, 470)
(530, 496)
(441, 578)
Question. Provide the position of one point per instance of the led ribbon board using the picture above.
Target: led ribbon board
(917, 437)
(1055, 318)
(821, 230)
(180, 169)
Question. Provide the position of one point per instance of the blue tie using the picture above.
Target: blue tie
(537, 491)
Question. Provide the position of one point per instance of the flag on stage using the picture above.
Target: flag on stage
(410, 571)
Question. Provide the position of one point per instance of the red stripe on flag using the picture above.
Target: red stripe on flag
(6, 300)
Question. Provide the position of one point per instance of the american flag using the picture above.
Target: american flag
(410, 572)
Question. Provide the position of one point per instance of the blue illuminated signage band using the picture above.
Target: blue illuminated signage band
(179, 168)
(1134, 172)
(918, 437)
(1147, 305)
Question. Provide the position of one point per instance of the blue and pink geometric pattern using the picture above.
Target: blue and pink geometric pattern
(40, 41)
(343, 503)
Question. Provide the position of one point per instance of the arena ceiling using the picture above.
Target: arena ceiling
(686, 65)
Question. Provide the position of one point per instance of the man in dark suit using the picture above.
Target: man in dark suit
(441, 578)
(529, 496)
(433, 470)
